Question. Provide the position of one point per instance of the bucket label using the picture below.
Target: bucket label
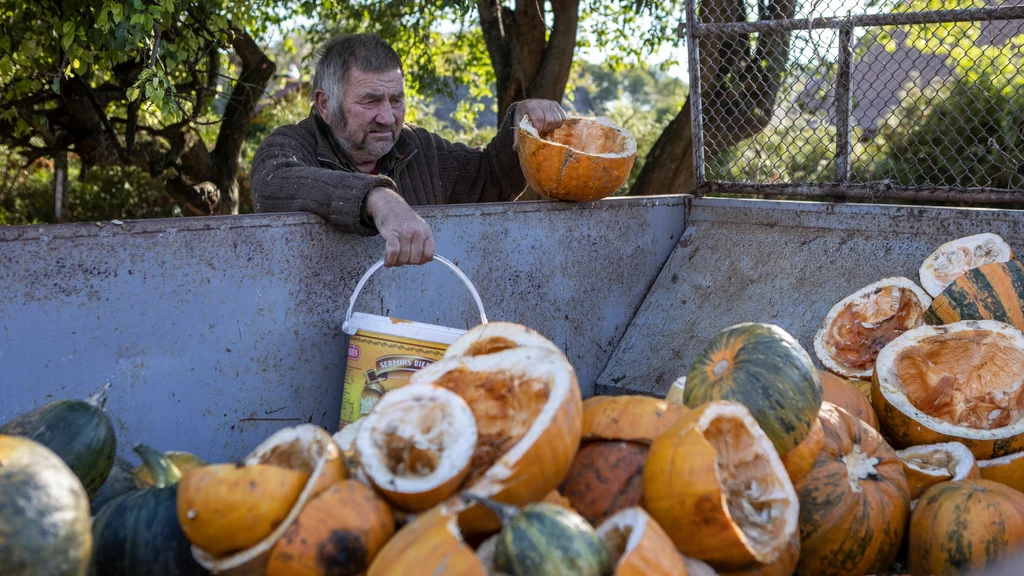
(379, 363)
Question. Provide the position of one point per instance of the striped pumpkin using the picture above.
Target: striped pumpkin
(990, 292)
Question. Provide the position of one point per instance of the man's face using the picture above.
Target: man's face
(371, 115)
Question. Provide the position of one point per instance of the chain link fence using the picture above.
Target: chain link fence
(807, 99)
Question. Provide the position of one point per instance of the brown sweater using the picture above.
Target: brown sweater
(300, 167)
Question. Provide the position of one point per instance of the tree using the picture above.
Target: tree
(137, 83)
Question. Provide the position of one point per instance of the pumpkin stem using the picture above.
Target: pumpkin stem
(99, 398)
(504, 512)
(164, 472)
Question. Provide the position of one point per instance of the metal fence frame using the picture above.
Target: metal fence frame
(840, 188)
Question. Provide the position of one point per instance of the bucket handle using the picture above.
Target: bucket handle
(437, 258)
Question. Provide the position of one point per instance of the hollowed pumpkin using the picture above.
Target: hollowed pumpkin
(860, 325)
(965, 527)
(956, 257)
(338, 533)
(991, 292)
(638, 546)
(854, 503)
(495, 337)
(764, 368)
(1008, 470)
(843, 393)
(415, 446)
(582, 160)
(960, 382)
(926, 466)
(528, 411)
(631, 418)
(606, 476)
(715, 483)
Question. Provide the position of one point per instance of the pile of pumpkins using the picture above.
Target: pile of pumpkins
(904, 456)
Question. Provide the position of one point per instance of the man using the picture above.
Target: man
(355, 162)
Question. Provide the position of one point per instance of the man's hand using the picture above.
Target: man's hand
(545, 115)
(407, 236)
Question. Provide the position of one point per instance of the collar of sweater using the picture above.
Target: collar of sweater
(328, 149)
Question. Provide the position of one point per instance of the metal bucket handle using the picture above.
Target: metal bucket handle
(437, 258)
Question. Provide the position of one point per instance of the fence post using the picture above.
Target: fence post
(843, 103)
(696, 120)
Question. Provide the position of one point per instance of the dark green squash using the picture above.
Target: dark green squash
(138, 533)
(80, 432)
(44, 513)
(990, 292)
(546, 540)
(118, 482)
(764, 368)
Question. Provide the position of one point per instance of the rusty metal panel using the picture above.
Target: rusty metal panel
(214, 332)
(785, 263)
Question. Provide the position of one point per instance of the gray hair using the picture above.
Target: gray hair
(337, 57)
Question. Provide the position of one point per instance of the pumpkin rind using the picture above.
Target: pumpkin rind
(784, 566)
(843, 393)
(991, 292)
(632, 418)
(338, 533)
(430, 544)
(953, 259)
(965, 527)
(638, 546)
(44, 513)
(1008, 470)
(549, 540)
(605, 477)
(854, 503)
(926, 466)
(77, 431)
(764, 368)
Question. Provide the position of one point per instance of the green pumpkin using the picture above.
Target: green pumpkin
(118, 482)
(138, 533)
(546, 540)
(764, 368)
(44, 513)
(80, 432)
(990, 292)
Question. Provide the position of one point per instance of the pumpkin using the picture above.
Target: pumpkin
(854, 503)
(676, 391)
(234, 514)
(860, 325)
(605, 477)
(800, 460)
(631, 417)
(138, 533)
(545, 540)
(142, 475)
(959, 382)
(784, 566)
(843, 393)
(638, 546)
(44, 512)
(991, 292)
(1007, 470)
(956, 257)
(556, 498)
(926, 466)
(715, 483)
(118, 482)
(78, 431)
(338, 533)
(528, 410)
(764, 368)
(584, 159)
(431, 544)
(416, 444)
(965, 527)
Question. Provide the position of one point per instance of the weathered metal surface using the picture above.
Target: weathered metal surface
(214, 332)
(785, 263)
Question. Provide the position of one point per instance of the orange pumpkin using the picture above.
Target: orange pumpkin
(1007, 470)
(965, 527)
(582, 160)
(338, 532)
(784, 566)
(844, 394)
(605, 477)
(928, 465)
(430, 544)
(715, 483)
(800, 460)
(638, 546)
(634, 418)
(854, 503)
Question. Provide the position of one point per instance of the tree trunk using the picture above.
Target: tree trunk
(60, 187)
(668, 168)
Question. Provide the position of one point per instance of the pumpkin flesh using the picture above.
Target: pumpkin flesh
(926, 466)
(955, 258)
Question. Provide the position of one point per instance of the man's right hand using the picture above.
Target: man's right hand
(407, 237)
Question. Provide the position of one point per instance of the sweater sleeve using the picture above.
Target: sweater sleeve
(286, 177)
(488, 174)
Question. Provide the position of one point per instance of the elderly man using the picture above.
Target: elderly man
(355, 162)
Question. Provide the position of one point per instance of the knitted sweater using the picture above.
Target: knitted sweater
(300, 167)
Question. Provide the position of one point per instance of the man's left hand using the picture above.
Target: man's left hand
(545, 115)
